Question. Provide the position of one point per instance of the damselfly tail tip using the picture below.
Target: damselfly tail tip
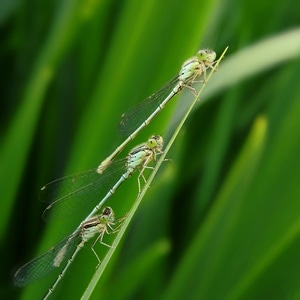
(102, 167)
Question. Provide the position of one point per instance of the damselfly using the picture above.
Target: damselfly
(67, 249)
(83, 191)
(141, 115)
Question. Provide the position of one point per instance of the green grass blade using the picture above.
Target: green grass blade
(234, 189)
(100, 270)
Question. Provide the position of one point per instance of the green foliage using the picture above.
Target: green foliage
(221, 219)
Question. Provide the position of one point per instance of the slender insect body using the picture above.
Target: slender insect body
(88, 229)
(50, 260)
(62, 273)
(190, 71)
(137, 159)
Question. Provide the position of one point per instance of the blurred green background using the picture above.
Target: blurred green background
(221, 220)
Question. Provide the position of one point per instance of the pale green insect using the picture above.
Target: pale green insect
(51, 260)
(137, 159)
(81, 192)
(141, 115)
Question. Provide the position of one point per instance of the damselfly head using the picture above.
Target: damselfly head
(107, 215)
(155, 142)
(206, 55)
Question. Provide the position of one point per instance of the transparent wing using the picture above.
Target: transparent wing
(45, 263)
(132, 119)
(79, 192)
